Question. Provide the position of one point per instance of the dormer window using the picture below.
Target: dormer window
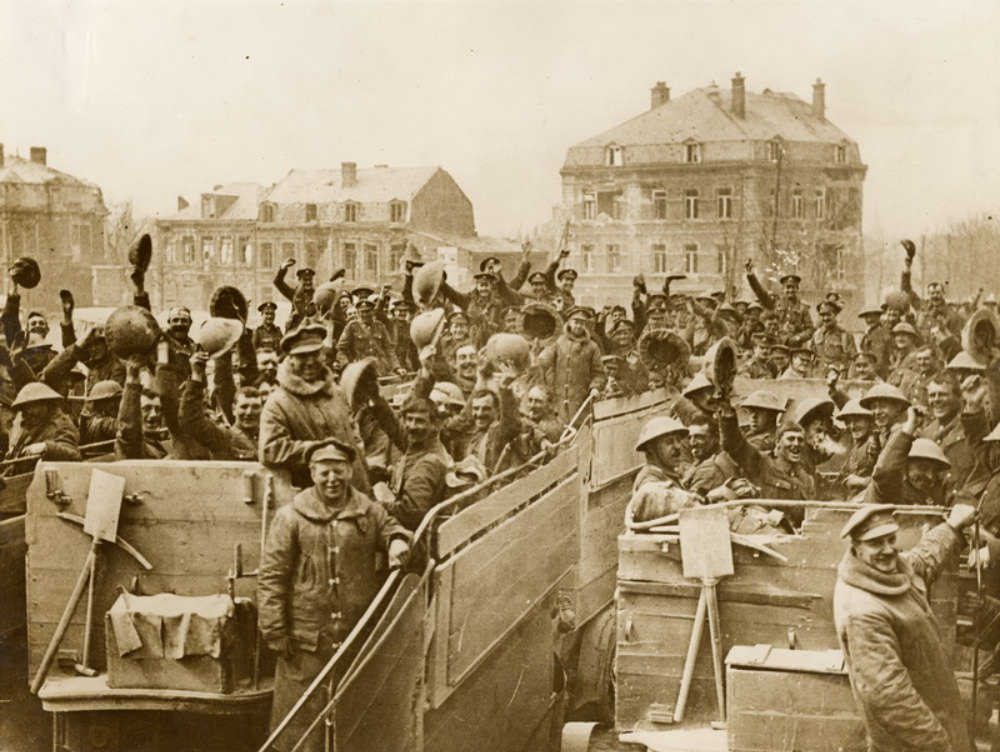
(397, 211)
(774, 151)
(267, 212)
(614, 156)
(350, 212)
(310, 212)
(692, 153)
(840, 154)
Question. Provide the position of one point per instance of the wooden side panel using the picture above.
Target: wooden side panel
(186, 524)
(614, 437)
(12, 590)
(498, 505)
(12, 496)
(500, 578)
(506, 698)
(602, 518)
(377, 705)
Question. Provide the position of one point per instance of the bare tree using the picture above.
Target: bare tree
(122, 228)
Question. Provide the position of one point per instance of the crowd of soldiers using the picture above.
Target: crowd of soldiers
(486, 380)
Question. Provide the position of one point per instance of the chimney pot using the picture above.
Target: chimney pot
(39, 155)
(182, 203)
(659, 94)
(739, 96)
(348, 174)
(819, 100)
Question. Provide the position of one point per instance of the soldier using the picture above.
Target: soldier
(888, 406)
(619, 382)
(418, 476)
(565, 280)
(483, 306)
(779, 474)
(658, 489)
(910, 471)
(141, 430)
(876, 338)
(758, 365)
(863, 367)
(222, 442)
(456, 334)
(899, 665)
(300, 296)
(366, 336)
(540, 289)
(42, 428)
(857, 470)
(801, 365)
(267, 336)
(98, 419)
(794, 322)
(833, 346)
(944, 403)
(935, 312)
(317, 577)
(571, 367)
(913, 382)
(307, 408)
(901, 353)
(762, 408)
(780, 357)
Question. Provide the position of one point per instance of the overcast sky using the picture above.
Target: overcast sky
(151, 100)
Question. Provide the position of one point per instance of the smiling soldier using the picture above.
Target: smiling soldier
(899, 665)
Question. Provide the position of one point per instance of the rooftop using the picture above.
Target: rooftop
(19, 170)
(375, 184)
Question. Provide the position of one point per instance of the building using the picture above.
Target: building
(365, 220)
(698, 184)
(56, 219)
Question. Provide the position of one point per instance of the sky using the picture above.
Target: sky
(151, 100)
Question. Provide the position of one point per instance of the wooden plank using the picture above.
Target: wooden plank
(606, 408)
(524, 557)
(374, 706)
(13, 497)
(505, 697)
(12, 584)
(501, 503)
(437, 664)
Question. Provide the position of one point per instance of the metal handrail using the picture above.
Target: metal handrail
(390, 585)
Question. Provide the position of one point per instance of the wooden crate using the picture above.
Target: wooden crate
(785, 700)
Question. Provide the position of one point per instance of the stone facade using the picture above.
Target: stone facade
(699, 184)
(56, 219)
(364, 220)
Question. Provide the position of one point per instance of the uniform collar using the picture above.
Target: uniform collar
(311, 506)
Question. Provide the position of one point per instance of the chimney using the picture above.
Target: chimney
(739, 97)
(819, 100)
(348, 174)
(39, 154)
(1, 155)
(659, 94)
(182, 203)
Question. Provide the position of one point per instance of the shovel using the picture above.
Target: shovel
(104, 503)
(706, 555)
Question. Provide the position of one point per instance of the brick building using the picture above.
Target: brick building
(56, 219)
(695, 185)
(363, 220)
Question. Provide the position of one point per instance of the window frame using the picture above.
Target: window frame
(691, 197)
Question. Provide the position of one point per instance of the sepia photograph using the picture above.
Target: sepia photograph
(501, 376)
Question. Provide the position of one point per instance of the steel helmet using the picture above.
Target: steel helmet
(811, 408)
(963, 361)
(697, 384)
(131, 330)
(140, 254)
(656, 427)
(217, 335)
(448, 393)
(229, 302)
(35, 391)
(509, 348)
(897, 300)
(103, 390)
(25, 272)
(928, 449)
(427, 281)
(884, 391)
(325, 296)
(356, 374)
(425, 325)
(764, 399)
(853, 409)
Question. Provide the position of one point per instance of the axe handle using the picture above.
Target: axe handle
(715, 632)
(74, 601)
(692, 655)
